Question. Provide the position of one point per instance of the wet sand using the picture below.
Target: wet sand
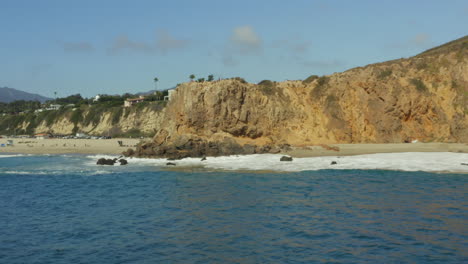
(111, 146)
(66, 146)
(359, 149)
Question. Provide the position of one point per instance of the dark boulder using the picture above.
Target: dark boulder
(286, 158)
(275, 150)
(249, 149)
(170, 164)
(123, 161)
(333, 163)
(185, 146)
(203, 159)
(466, 164)
(103, 161)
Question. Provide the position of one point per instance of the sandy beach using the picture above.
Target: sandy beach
(111, 146)
(67, 146)
(359, 149)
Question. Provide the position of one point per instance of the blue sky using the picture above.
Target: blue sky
(113, 47)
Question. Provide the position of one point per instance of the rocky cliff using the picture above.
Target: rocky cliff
(422, 97)
(137, 121)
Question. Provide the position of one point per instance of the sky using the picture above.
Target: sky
(113, 47)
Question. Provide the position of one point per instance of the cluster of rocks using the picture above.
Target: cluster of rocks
(288, 158)
(104, 161)
(186, 146)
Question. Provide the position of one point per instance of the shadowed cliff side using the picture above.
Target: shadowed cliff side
(423, 97)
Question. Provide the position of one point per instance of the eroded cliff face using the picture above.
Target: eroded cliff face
(423, 98)
(145, 120)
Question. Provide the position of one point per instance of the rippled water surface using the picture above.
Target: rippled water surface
(61, 209)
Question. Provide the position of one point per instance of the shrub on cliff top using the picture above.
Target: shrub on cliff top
(267, 87)
(322, 81)
(239, 79)
(320, 87)
(310, 79)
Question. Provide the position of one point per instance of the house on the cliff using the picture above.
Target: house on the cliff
(170, 94)
(130, 102)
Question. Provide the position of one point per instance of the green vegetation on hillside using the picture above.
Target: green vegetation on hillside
(21, 117)
(419, 85)
(384, 74)
(19, 106)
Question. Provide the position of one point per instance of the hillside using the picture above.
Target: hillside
(423, 98)
(98, 119)
(8, 95)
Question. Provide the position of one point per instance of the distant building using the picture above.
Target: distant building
(81, 135)
(42, 136)
(53, 107)
(130, 102)
(170, 94)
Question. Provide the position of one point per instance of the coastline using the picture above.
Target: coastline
(112, 147)
(374, 148)
(67, 146)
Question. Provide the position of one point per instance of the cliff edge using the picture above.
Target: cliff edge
(423, 97)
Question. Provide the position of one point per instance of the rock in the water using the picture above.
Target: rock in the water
(286, 158)
(333, 163)
(170, 164)
(466, 164)
(103, 161)
(123, 161)
(203, 159)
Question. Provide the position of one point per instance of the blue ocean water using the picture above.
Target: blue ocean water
(65, 209)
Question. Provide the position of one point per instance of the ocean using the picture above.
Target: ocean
(381, 208)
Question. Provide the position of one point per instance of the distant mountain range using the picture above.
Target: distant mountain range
(8, 95)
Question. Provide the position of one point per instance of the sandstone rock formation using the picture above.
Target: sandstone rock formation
(423, 98)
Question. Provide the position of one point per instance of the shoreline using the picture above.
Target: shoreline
(374, 148)
(67, 146)
(112, 147)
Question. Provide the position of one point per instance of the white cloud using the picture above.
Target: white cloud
(78, 47)
(420, 39)
(293, 45)
(245, 40)
(164, 42)
(122, 42)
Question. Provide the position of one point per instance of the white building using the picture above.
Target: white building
(53, 107)
(81, 135)
(130, 102)
(170, 94)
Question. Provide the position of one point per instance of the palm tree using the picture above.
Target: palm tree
(156, 82)
(192, 76)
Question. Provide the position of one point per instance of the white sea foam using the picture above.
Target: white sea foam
(11, 155)
(408, 161)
